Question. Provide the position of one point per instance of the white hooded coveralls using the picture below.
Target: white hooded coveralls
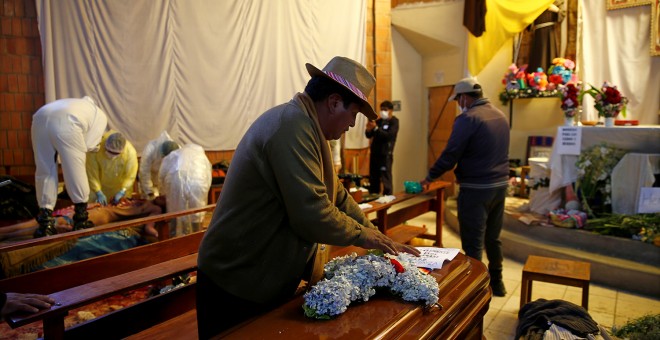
(150, 164)
(185, 177)
(70, 128)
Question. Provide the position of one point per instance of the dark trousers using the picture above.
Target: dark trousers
(480, 216)
(380, 171)
(218, 310)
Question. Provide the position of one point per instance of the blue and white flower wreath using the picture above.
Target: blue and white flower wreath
(355, 278)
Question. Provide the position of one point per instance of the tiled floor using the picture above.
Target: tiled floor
(607, 306)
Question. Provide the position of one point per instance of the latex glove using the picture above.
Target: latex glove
(100, 198)
(119, 196)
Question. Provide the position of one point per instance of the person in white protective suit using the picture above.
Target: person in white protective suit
(152, 157)
(69, 128)
(112, 170)
(185, 177)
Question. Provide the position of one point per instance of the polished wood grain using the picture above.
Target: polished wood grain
(546, 269)
(464, 296)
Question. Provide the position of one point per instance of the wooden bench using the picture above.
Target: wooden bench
(546, 269)
(432, 199)
(123, 271)
(84, 282)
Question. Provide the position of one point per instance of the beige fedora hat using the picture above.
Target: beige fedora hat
(353, 76)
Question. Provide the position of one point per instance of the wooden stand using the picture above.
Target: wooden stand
(565, 272)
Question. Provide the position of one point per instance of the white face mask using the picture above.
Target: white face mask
(461, 107)
(384, 114)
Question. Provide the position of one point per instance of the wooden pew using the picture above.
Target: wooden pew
(432, 199)
(122, 271)
(84, 282)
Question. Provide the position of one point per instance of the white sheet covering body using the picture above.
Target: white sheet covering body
(69, 128)
(185, 177)
(633, 172)
(150, 165)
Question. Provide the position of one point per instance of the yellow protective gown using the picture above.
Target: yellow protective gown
(111, 175)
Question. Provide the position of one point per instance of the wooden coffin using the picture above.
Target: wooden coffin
(464, 296)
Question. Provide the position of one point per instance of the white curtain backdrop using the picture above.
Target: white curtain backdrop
(615, 48)
(203, 70)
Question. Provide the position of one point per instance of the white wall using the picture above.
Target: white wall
(411, 147)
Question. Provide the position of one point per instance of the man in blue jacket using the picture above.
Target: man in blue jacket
(479, 148)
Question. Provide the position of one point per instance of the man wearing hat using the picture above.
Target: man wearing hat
(112, 171)
(65, 128)
(479, 148)
(281, 202)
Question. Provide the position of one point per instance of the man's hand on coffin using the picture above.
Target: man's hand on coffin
(374, 239)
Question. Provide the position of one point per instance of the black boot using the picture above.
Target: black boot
(46, 223)
(80, 216)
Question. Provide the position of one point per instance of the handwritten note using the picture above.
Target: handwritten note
(570, 139)
(433, 257)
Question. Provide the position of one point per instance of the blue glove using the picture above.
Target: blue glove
(119, 195)
(100, 198)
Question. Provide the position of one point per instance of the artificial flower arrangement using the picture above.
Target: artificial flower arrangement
(561, 72)
(608, 100)
(355, 278)
(519, 84)
(595, 167)
(570, 98)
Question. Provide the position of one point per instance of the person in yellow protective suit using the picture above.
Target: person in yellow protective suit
(112, 170)
(69, 128)
(185, 177)
(152, 157)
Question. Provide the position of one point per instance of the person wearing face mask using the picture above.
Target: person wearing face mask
(152, 157)
(66, 129)
(112, 170)
(479, 149)
(383, 134)
(282, 202)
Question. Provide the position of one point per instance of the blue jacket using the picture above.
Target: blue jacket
(478, 147)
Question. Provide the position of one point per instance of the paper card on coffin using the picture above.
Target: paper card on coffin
(433, 257)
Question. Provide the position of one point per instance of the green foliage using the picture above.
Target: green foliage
(646, 327)
(595, 167)
(643, 227)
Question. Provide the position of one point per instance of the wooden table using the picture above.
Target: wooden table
(464, 295)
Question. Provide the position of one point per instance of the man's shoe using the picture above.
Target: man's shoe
(46, 223)
(498, 288)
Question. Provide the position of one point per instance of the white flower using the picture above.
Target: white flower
(354, 278)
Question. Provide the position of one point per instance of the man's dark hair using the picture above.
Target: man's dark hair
(319, 88)
(387, 104)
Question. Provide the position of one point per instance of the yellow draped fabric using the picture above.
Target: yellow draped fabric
(504, 18)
